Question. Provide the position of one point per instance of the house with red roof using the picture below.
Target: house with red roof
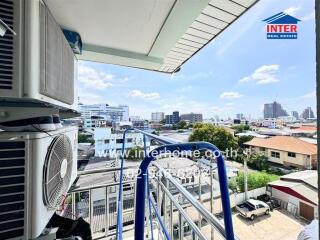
(286, 150)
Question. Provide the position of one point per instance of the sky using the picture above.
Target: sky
(237, 72)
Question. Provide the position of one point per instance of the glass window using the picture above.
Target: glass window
(129, 140)
(106, 141)
(262, 149)
(119, 141)
(275, 154)
(291, 154)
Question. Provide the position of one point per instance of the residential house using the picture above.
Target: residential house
(298, 193)
(286, 150)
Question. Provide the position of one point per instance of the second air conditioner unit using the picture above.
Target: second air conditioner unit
(37, 64)
(36, 171)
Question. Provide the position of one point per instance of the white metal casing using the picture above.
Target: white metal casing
(36, 214)
(38, 46)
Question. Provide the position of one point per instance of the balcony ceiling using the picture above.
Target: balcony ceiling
(157, 35)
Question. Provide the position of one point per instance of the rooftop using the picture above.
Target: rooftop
(304, 183)
(285, 143)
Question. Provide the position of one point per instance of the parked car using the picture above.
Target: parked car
(253, 208)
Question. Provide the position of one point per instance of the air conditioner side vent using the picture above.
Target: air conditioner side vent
(6, 45)
(12, 189)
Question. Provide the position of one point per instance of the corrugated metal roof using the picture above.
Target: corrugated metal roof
(300, 188)
(302, 182)
(159, 35)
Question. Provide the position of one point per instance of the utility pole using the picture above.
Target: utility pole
(245, 173)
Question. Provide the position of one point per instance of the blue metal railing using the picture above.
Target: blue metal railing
(142, 184)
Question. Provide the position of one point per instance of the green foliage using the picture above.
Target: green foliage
(135, 153)
(243, 139)
(82, 138)
(255, 180)
(241, 128)
(215, 135)
(232, 184)
(182, 125)
(258, 161)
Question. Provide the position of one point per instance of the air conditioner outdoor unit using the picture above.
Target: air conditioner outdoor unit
(37, 64)
(36, 171)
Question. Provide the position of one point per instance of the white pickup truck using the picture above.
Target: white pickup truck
(253, 208)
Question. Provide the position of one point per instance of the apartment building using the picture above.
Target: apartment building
(286, 150)
(108, 143)
(157, 116)
(191, 117)
(110, 113)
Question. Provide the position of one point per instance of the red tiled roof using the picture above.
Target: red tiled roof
(285, 143)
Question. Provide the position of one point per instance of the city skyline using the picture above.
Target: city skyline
(221, 79)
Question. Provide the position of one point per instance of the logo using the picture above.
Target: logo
(282, 26)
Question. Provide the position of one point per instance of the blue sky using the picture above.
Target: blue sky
(236, 73)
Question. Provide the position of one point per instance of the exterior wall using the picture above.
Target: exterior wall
(293, 202)
(107, 142)
(300, 161)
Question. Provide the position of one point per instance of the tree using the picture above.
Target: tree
(180, 125)
(163, 121)
(258, 162)
(135, 153)
(243, 139)
(215, 135)
(82, 138)
(241, 128)
(255, 180)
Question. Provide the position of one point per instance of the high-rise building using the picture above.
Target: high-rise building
(175, 117)
(169, 119)
(295, 114)
(307, 113)
(239, 116)
(274, 110)
(191, 117)
(110, 113)
(157, 116)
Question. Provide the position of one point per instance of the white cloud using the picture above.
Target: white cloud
(292, 10)
(263, 75)
(230, 95)
(147, 96)
(310, 16)
(89, 98)
(91, 78)
(187, 88)
(307, 95)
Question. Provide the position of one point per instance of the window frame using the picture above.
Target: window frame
(275, 154)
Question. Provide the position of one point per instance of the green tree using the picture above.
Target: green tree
(241, 128)
(135, 153)
(180, 125)
(215, 135)
(243, 139)
(258, 161)
(82, 138)
(255, 180)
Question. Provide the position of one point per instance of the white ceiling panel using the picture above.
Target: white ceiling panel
(127, 25)
(156, 35)
(194, 38)
(228, 6)
(219, 14)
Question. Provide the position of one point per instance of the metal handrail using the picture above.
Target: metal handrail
(188, 147)
(208, 216)
(226, 230)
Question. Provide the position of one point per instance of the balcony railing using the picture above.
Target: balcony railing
(148, 205)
